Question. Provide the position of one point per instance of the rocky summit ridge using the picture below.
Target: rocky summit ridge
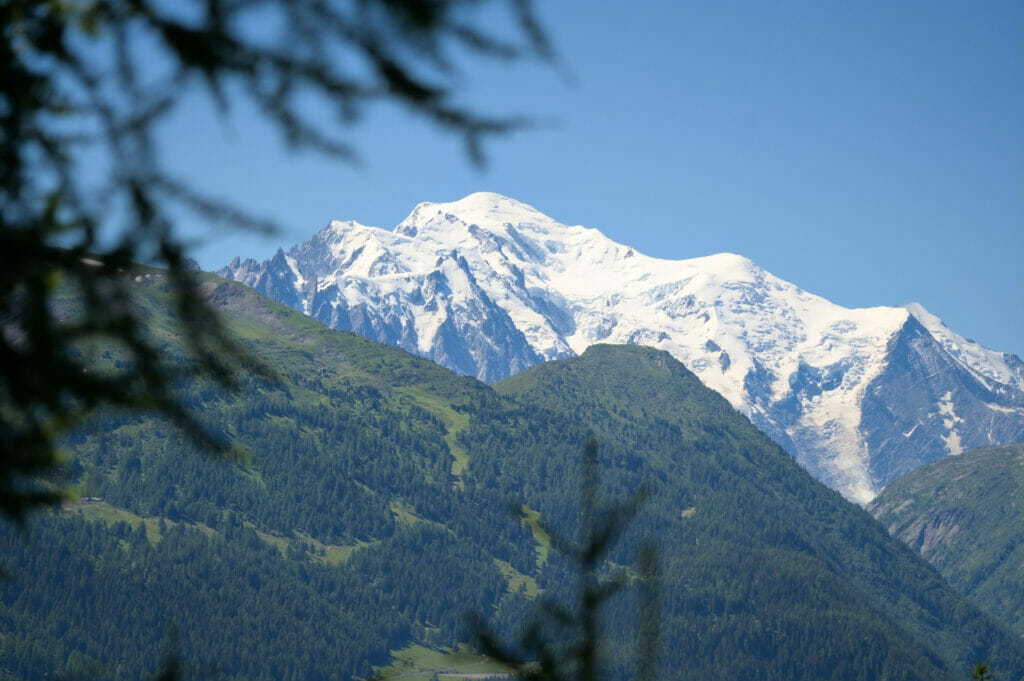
(488, 286)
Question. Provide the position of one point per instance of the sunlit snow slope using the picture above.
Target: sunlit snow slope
(488, 286)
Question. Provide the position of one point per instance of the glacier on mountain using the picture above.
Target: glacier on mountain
(489, 286)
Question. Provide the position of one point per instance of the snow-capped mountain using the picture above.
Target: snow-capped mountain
(488, 286)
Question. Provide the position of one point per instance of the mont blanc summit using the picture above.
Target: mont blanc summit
(488, 286)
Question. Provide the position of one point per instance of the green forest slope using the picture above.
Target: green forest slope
(965, 514)
(372, 508)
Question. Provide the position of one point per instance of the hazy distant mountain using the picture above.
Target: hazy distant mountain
(488, 286)
(965, 514)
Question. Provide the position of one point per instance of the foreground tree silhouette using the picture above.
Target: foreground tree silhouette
(84, 197)
(561, 642)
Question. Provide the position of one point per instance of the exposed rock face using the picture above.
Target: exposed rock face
(965, 515)
(947, 407)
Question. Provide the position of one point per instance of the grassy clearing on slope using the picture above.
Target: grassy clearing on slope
(277, 541)
(404, 513)
(104, 512)
(419, 663)
(328, 554)
(331, 554)
(531, 519)
(517, 579)
(454, 423)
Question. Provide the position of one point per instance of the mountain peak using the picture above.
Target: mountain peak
(484, 204)
(487, 211)
(849, 392)
(988, 366)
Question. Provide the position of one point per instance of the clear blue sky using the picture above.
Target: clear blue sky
(871, 153)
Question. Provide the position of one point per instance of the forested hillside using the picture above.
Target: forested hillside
(965, 515)
(373, 504)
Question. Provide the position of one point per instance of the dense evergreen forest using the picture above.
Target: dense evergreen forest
(377, 498)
